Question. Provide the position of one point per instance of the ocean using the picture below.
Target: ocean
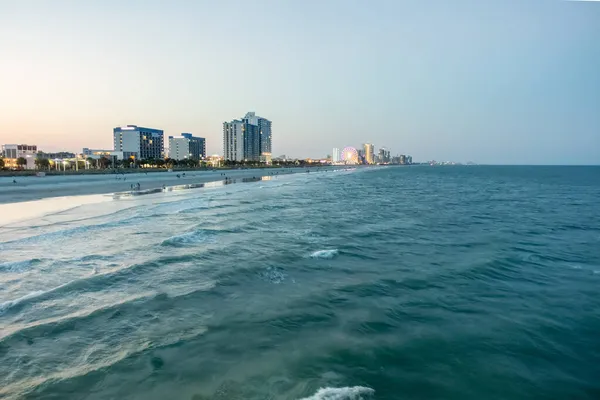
(455, 282)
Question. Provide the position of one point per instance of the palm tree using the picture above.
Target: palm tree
(104, 162)
(91, 162)
(42, 163)
(1, 163)
(21, 162)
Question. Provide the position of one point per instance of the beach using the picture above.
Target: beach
(29, 188)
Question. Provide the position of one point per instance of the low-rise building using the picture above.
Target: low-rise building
(12, 152)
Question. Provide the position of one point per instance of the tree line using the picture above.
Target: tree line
(44, 164)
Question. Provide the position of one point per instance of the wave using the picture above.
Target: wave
(11, 303)
(18, 266)
(189, 238)
(345, 393)
(325, 254)
(65, 234)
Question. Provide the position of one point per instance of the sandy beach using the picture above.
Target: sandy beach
(31, 188)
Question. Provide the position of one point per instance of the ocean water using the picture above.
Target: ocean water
(377, 283)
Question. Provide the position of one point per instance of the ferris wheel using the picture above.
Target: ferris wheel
(350, 155)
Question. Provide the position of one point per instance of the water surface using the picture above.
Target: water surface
(383, 283)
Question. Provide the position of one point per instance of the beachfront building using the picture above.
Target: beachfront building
(369, 153)
(233, 141)
(142, 143)
(186, 147)
(336, 155)
(60, 155)
(247, 139)
(12, 152)
(87, 152)
(383, 156)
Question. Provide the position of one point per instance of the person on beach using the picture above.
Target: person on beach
(138, 186)
(14, 181)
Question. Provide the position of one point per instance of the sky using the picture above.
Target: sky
(499, 82)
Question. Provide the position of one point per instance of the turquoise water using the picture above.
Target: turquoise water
(384, 283)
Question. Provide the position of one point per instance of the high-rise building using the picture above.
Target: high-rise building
(384, 156)
(247, 139)
(141, 143)
(186, 147)
(233, 141)
(336, 156)
(369, 152)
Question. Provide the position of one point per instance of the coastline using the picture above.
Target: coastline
(32, 188)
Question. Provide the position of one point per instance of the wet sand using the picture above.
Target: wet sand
(35, 188)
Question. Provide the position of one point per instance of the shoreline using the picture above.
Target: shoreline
(33, 188)
(4, 173)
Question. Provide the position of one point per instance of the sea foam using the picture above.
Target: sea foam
(326, 254)
(345, 393)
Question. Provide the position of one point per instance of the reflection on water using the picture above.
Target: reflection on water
(27, 210)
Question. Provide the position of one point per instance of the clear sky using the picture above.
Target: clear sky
(507, 81)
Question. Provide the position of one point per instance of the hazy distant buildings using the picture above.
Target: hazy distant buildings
(404, 160)
(186, 147)
(336, 156)
(369, 153)
(247, 139)
(384, 156)
(139, 142)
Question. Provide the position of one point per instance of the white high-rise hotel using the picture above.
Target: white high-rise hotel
(336, 157)
(247, 139)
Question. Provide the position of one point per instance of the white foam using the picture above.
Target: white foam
(327, 254)
(11, 303)
(188, 238)
(345, 393)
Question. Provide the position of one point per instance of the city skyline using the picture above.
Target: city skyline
(448, 81)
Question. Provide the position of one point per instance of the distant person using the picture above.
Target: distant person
(14, 181)
(138, 186)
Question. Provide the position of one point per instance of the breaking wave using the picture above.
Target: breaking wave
(11, 303)
(345, 393)
(325, 254)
